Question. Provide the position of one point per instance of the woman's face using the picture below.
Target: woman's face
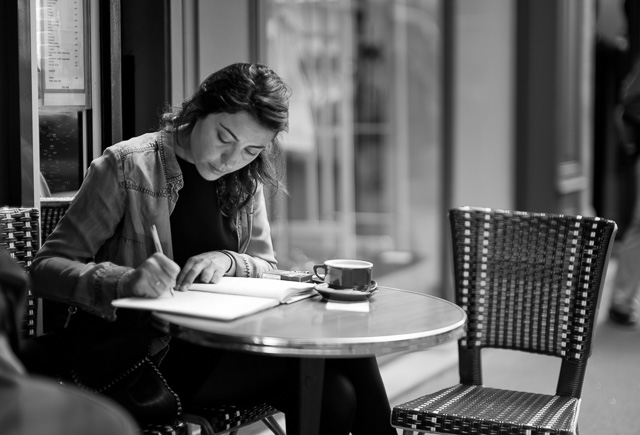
(222, 143)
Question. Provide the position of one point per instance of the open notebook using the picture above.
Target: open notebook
(229, 299)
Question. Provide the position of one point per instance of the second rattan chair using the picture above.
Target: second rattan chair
(528, 282)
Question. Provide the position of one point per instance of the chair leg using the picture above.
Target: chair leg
(407, 432)
(273, 425)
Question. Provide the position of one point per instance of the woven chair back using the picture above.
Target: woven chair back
(20, 236)
(52, 210)
(529, 282)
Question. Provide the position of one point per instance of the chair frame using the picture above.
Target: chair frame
(548, 268)
(261, 413)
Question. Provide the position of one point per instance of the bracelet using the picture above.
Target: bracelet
(233, 260)
(246, 267)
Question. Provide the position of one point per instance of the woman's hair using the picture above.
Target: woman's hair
(240, 87)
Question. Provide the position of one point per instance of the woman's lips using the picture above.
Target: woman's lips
(216, 170)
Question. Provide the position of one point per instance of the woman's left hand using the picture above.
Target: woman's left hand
(208, 267)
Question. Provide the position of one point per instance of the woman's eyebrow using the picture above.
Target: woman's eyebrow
(230, 132)
(238, 140)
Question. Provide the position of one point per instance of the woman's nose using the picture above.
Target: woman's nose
(229, 158)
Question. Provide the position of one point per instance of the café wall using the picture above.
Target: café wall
(484, 104)
(5, 108)
(206, 35)
(15, 109)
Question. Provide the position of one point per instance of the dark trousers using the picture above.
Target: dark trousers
(354, 398)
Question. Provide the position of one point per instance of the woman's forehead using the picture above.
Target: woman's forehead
(242, 126)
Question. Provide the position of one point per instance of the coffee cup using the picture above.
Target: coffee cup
(345, 274)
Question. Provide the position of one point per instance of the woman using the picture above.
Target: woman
(200, 180)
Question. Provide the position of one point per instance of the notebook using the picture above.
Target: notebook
(229, 299)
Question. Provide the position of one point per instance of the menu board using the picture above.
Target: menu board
(62, 53)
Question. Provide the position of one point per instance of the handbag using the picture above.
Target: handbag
(145, 393)
(113, 359)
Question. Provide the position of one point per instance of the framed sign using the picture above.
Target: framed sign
(63, 41)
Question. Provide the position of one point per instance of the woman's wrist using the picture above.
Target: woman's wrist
(122, 288)
(231, 264)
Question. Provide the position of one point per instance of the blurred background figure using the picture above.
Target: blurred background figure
(38, 406)
(624, 116)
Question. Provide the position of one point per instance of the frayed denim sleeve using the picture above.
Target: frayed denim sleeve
(63, 269)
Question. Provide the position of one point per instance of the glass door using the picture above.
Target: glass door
(363, 148)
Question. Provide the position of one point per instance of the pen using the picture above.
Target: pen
(156, 242)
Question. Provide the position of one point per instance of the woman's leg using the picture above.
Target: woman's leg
(625, 301)
(338, 400)
(373, 411)
(624, 297)
(205, 376)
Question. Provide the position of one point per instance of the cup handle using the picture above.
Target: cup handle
(320, 267)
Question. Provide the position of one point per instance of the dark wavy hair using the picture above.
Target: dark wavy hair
(252, 88)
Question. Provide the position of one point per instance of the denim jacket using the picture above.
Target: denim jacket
(106, 231)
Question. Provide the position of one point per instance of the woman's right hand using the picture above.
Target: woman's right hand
(153, 278)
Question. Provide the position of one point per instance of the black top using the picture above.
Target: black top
(197, 224)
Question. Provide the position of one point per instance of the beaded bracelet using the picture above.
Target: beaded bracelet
(247, 271)
(233, 260)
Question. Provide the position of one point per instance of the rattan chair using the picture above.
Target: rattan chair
(528, 282)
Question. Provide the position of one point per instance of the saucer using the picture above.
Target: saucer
(346, 295)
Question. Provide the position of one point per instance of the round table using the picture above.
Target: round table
(392, 320)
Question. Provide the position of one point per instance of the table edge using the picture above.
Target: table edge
(343, 347)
